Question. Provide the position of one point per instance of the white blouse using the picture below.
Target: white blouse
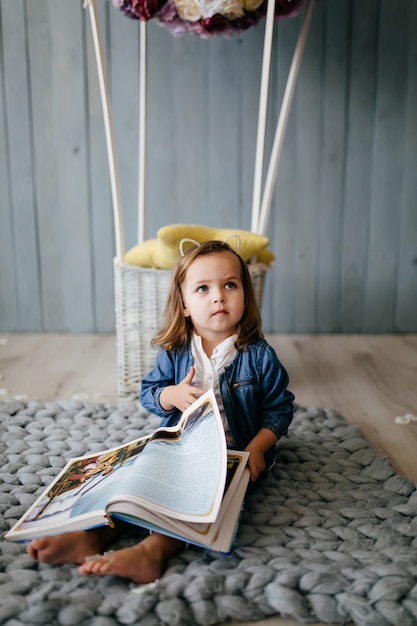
(208, 370)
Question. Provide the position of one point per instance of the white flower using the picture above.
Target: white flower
(189, 10)
(231, 8)
(194, 10)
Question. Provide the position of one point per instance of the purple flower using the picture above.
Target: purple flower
(139, 9)
(169, 18)
(287, 8)
(165, 12)
(145, 9)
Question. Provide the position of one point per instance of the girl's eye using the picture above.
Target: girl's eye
(230, 285)
(202, 288)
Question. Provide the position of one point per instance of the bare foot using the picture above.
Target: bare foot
(67, 548)
(72, 547)
(142, 563)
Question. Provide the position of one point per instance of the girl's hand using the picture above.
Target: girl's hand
(256, 464)
(180, 396)
(260, 444)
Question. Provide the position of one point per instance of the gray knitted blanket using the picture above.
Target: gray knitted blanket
(330, 535)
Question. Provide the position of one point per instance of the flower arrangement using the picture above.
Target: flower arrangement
(205, 18)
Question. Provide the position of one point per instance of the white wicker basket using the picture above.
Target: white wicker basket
(140, 297)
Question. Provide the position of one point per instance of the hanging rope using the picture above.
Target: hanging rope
(108, 127)
(263, 106)
(142, 134)
(261, 225)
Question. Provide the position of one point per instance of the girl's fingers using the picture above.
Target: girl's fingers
(188, 379)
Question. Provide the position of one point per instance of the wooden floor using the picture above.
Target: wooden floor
(370, 379)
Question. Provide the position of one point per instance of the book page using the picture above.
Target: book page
(179, 471)
(216, 535)
(184, 478)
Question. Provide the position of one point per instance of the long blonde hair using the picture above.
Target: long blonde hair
(177, 329)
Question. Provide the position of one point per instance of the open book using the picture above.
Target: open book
(180, 481)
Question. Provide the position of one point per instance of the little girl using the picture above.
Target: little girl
(211, 338)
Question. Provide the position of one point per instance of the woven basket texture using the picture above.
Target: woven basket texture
(140, 297)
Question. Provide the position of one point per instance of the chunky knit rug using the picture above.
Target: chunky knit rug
(329, 536)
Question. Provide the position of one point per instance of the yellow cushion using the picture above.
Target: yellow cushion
(163, 252)
(143, 254)
(266, 256)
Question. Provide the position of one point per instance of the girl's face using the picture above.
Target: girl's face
(213, 296)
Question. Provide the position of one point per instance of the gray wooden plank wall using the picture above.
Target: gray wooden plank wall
(343, 223)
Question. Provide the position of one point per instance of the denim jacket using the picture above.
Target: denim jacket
(253, 388)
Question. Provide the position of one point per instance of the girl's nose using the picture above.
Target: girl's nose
(219, 296)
